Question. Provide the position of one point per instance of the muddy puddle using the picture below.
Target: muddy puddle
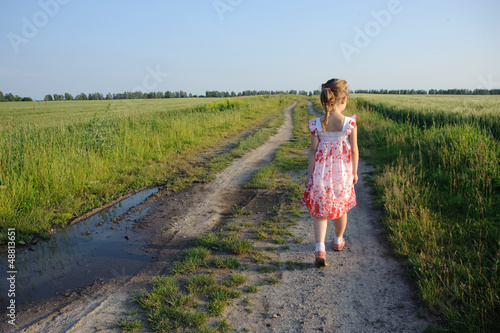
(104, 246)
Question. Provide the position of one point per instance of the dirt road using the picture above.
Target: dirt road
(364, 289)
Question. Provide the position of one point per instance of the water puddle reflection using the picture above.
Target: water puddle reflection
(97, 247)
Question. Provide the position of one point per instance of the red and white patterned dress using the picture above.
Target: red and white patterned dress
(330, 193)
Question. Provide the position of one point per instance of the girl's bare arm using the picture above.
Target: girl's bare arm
(353, 139)
(312, 156)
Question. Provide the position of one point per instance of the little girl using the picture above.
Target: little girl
(333, 167)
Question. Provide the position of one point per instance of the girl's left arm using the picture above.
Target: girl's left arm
(353, 140)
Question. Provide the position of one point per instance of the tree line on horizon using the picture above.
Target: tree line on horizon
(431, 92)
(9, 97)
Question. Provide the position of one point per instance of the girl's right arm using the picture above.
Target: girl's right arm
(312, 156)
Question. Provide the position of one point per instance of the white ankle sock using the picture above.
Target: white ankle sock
(337, 240)
(320, 246)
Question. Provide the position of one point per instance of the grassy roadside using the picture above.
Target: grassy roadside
(439, 188)
(233, 261)
(52, 174)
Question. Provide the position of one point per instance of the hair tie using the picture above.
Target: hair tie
(327, 88)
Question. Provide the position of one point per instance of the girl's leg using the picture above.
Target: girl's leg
(319, 235)
(340, 225)
(320, 230)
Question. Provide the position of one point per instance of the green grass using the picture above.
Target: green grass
(191, 261)
(236, 280)
(129, 325)
(58, 167)
(267, 269)
(239, 211)
(229, 263)
(292, 265)
(439, 185)
(201, 283)
(237, 246)
(251, 289)
(271, 281)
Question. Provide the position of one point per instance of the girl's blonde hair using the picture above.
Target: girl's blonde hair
(331, 93)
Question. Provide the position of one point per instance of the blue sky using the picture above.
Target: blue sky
(58, 46)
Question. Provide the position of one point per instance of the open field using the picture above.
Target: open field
(439, 186)
(59, 113)
(81, 154)
(482, 112)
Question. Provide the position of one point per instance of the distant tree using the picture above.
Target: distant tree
(68, 96)
(58, 97)
(48, 98)
(95, 96)
(81, 97)
(233, 94)
(2, 97)
(10, 97)
(481, 92)
(292, 92)
(18, 98)
(27, 99)
(168, 94)
(109, 96)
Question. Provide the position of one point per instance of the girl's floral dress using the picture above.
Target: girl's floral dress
(330, 191)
